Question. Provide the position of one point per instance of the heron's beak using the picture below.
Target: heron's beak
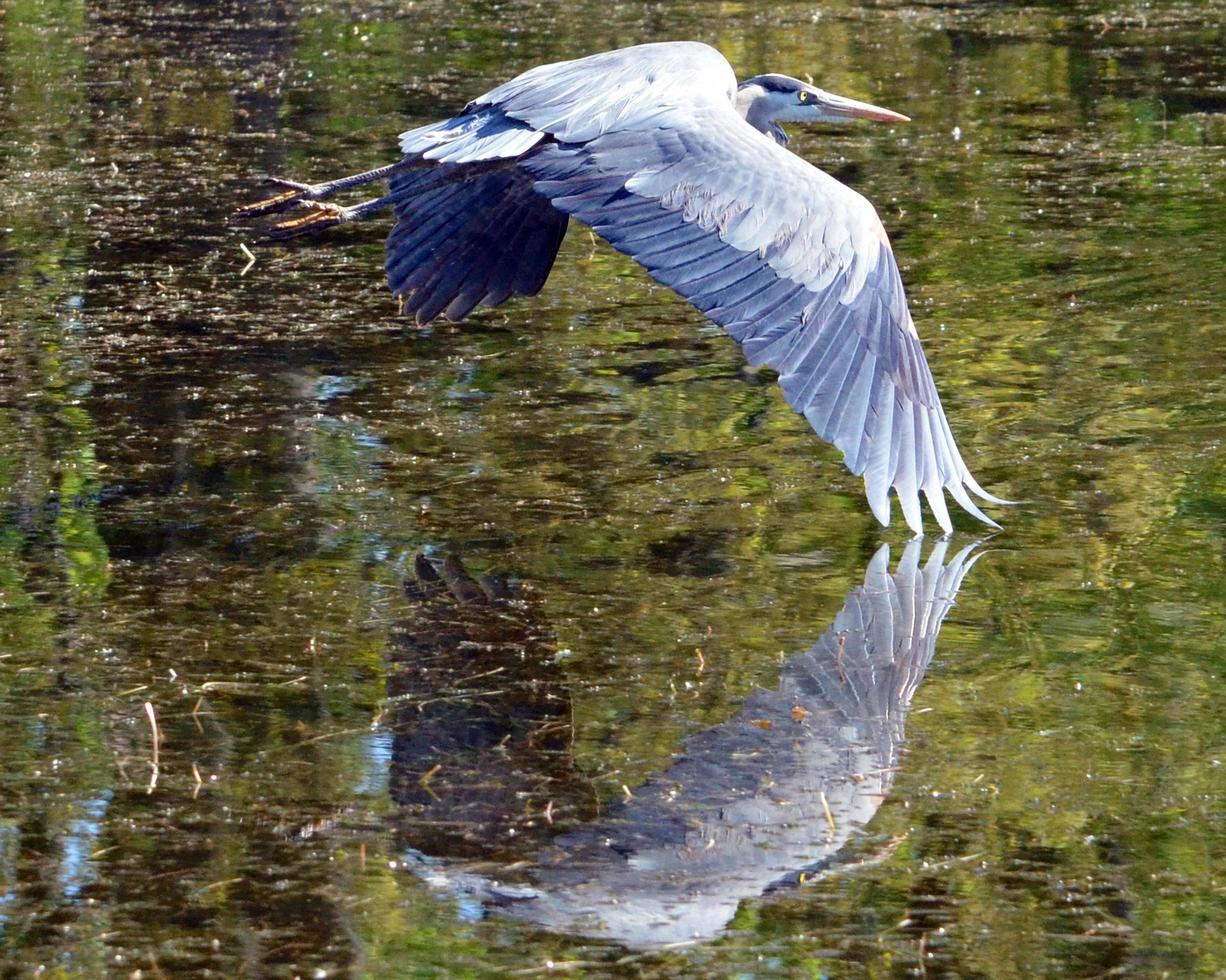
(838, 107)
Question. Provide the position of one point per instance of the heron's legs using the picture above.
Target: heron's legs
(298, 193)
(322, 215)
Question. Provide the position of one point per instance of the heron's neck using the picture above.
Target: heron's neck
(760, 110)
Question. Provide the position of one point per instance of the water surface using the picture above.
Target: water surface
(214, 480)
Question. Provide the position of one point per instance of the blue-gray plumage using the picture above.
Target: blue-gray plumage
(662, 153)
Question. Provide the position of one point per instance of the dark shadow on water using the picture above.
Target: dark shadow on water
(483, 769)
(482, 727)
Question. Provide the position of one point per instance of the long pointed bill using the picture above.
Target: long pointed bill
(839, 107)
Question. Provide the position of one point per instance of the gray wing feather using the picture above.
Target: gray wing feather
(795, 266)
(470, 138)
(469, 236)
(576, 101)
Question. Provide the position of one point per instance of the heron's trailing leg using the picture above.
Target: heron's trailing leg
(296, 193)
(322, 215)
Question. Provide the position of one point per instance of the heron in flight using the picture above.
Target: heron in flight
(663, 154)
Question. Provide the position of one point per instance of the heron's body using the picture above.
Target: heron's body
(659, 151)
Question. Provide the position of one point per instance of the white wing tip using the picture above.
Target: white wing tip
(981, 493)
(936, 503)
(912, 513)
(879, 504)
(878, 500)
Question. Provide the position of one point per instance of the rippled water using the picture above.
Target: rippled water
(214, 480)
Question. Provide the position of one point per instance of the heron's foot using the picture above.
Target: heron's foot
(295, 193)
(320, 217)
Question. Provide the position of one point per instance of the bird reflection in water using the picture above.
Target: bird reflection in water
(483, 769)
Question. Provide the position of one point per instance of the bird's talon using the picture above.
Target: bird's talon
(270, 205)
(295, 193)
(321, 216)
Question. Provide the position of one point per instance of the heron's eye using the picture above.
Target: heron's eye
(803, 96)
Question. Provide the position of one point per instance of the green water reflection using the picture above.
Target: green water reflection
(212, 485)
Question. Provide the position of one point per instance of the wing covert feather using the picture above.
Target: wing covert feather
(576, 101)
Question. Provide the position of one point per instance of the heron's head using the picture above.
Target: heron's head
(767, 100)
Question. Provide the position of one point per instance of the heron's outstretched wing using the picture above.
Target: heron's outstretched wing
(644, 146)
(795, 266)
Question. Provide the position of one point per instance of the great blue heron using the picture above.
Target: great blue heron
(662, 153)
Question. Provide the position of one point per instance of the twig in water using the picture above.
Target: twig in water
(829, 816)
(425, 781)
(153, 724)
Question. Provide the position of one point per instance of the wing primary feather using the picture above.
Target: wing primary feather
(990, 498)
(704, 292)
(904, 477)
(823, 403)
(434, 207)
(425, 242)
(782, 305)
(817, 365)
(855, 414)
(958, 492)
(530, 277)
(923, 444)
(641, 231)
(669, 244)
(736, 298)
(524, 257)
(936, 501)
(877, 475)
(448, 275)
(446, 240)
